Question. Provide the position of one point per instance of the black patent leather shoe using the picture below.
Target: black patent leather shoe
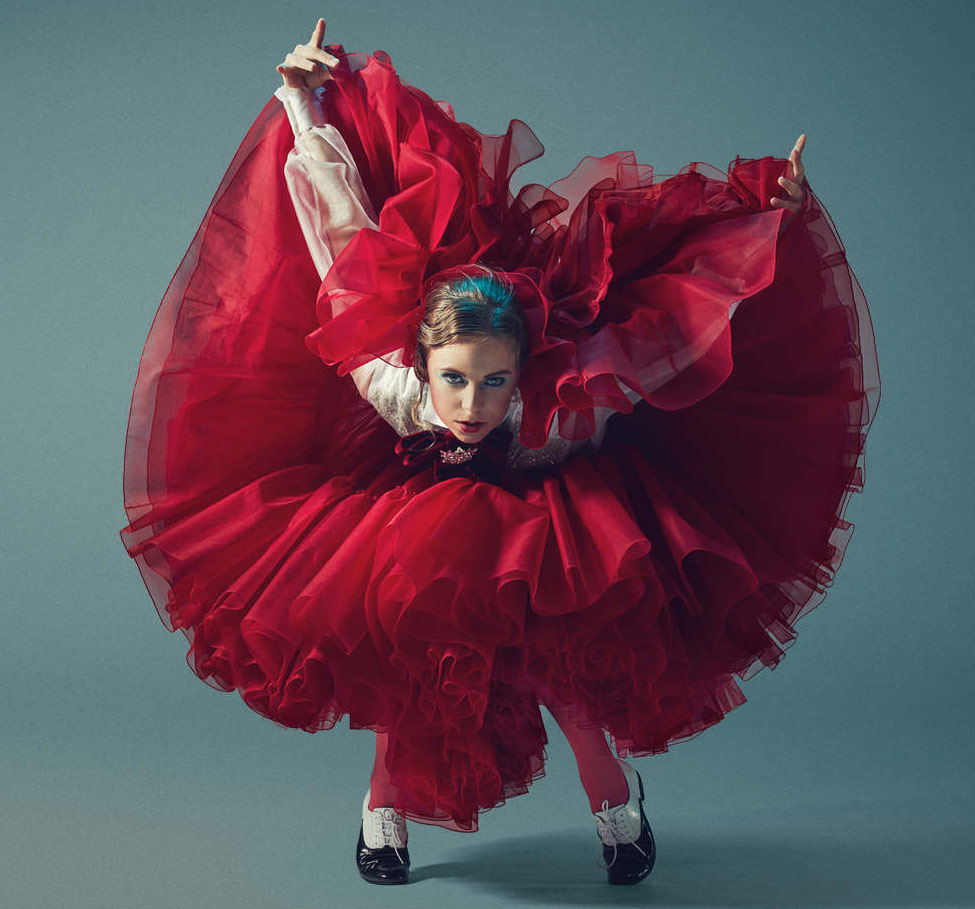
(386, 865)
(629, 851)
(386, 860)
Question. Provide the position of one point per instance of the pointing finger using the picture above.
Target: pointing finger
(318, 34)
(795, 158)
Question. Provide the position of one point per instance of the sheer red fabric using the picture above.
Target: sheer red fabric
(317, 575)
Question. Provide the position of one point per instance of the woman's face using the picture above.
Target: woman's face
(471, 384)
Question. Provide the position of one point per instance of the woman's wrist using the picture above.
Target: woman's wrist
(305, 107)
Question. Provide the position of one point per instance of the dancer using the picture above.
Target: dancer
(411, 447)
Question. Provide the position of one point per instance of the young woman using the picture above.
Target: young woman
(408, 446)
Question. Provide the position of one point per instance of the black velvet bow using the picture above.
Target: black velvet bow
(450, 457)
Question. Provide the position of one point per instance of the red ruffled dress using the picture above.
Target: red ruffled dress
(633, 583)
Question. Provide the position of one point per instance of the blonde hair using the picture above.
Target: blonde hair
(477, 301)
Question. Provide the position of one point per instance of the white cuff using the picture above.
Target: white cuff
(305, 107)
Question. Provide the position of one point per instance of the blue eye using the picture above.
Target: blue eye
(458, 381)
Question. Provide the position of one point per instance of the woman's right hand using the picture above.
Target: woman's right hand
(308, 66)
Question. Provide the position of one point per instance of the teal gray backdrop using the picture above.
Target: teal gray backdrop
(846, 778)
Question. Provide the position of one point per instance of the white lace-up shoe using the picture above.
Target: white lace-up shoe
(381, 853)
(629, 851)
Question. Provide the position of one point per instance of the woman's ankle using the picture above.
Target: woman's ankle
(382, 797)
(605, 784)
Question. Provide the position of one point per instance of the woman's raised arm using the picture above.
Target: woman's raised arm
(324, 183)
(326, 189)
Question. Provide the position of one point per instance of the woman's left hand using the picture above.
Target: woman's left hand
(793, 183)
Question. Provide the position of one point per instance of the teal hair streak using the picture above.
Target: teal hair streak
(489, 288)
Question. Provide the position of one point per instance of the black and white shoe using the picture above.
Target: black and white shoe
(628, 847)
(381, 854)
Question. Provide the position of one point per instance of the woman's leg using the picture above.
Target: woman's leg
(599, 770)
(381, 855)
(382, 793)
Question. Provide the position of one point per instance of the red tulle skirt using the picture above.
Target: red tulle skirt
(320, 577)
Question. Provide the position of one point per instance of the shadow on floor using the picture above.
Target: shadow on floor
(932, 870)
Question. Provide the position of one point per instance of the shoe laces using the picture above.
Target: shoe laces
(611, 822)
(388, 823)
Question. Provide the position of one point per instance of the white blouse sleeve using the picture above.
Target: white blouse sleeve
(332, 205)
(326, 189)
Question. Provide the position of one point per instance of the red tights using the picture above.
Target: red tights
(599, 770)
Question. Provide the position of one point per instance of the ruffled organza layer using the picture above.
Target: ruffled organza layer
(319, 577)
